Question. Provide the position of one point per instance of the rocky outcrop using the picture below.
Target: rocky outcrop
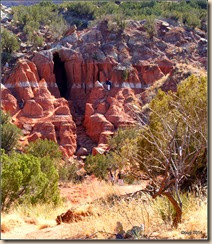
(128, 58)
(8, 101)
(22, 80)
(45, 115)
(105, 112)
(45, 68)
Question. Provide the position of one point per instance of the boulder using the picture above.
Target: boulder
(67, 135)
(96, 124)
(174, 35)
(47, 130)
(100, 149)
(8, 101)
(82, 152)
(32, 109)
(101, 108)
(151, 73)
(63, 110)
(165, 65)
(22, 79)
(34, 136)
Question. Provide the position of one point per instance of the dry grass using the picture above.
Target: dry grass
(22, 215)
(107, 215)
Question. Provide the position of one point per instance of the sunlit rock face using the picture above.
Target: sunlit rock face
(61, 82)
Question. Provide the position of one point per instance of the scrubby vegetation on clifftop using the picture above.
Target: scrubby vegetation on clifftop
(108, 127)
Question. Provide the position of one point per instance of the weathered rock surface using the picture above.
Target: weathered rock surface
(130, 60)
(46, 116)
(105, 112)
(8, 101)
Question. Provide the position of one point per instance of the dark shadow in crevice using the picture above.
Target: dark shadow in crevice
(60, 74)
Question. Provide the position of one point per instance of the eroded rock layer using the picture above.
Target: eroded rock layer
(47, 95)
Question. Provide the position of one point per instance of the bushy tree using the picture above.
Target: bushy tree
(83, 9)
(10, 133)
(122, 134)
(25, 178)
(150, 27)
(68, 172)
(58, 28)
(174, 144)
(123, 149)
(42, 148)
(97, 165)
(9, 42)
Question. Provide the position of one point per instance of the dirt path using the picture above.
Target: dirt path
(76, 195)
(93, 189)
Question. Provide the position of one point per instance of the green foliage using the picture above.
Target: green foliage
(118, 140)
(184, 114)
(47, 13)
(146, 9)
(31, 18)
(150, 27)
(191, 20)
(9, 42)
(5, 118)
(44, 148)
(25, 178)
(122, 151)
(116, 23)
(68, 172)
(167, 211)
(58, 27)
(125, 74)
(97, 165)
(10, 134)
(83, 9)
(35, 40)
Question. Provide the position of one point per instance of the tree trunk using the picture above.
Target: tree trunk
(178, 209)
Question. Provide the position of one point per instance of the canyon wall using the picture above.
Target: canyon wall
(42, 93)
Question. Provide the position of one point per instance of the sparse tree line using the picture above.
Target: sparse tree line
(31, 18)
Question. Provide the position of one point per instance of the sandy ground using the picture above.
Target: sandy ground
(76, 195)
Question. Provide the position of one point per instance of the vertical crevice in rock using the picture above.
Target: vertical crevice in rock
(60, 74)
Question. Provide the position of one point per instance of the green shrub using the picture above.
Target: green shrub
(27, 179)
(118, 140)
(10, 133)
(5, 118)
(116, 23)
(5, 57)
(58, 28)
(150, 27)
(191, 20)
(31, 18)
(36, 41)
(175, 117)
(68, 172)
(125, 74)
(97, 165)
(83, 9)
(9, 42)
(42, 148)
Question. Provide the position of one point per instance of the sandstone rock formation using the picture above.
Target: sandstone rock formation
(105, 112)
(60, 82)
(46, 116)
(8, 101)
